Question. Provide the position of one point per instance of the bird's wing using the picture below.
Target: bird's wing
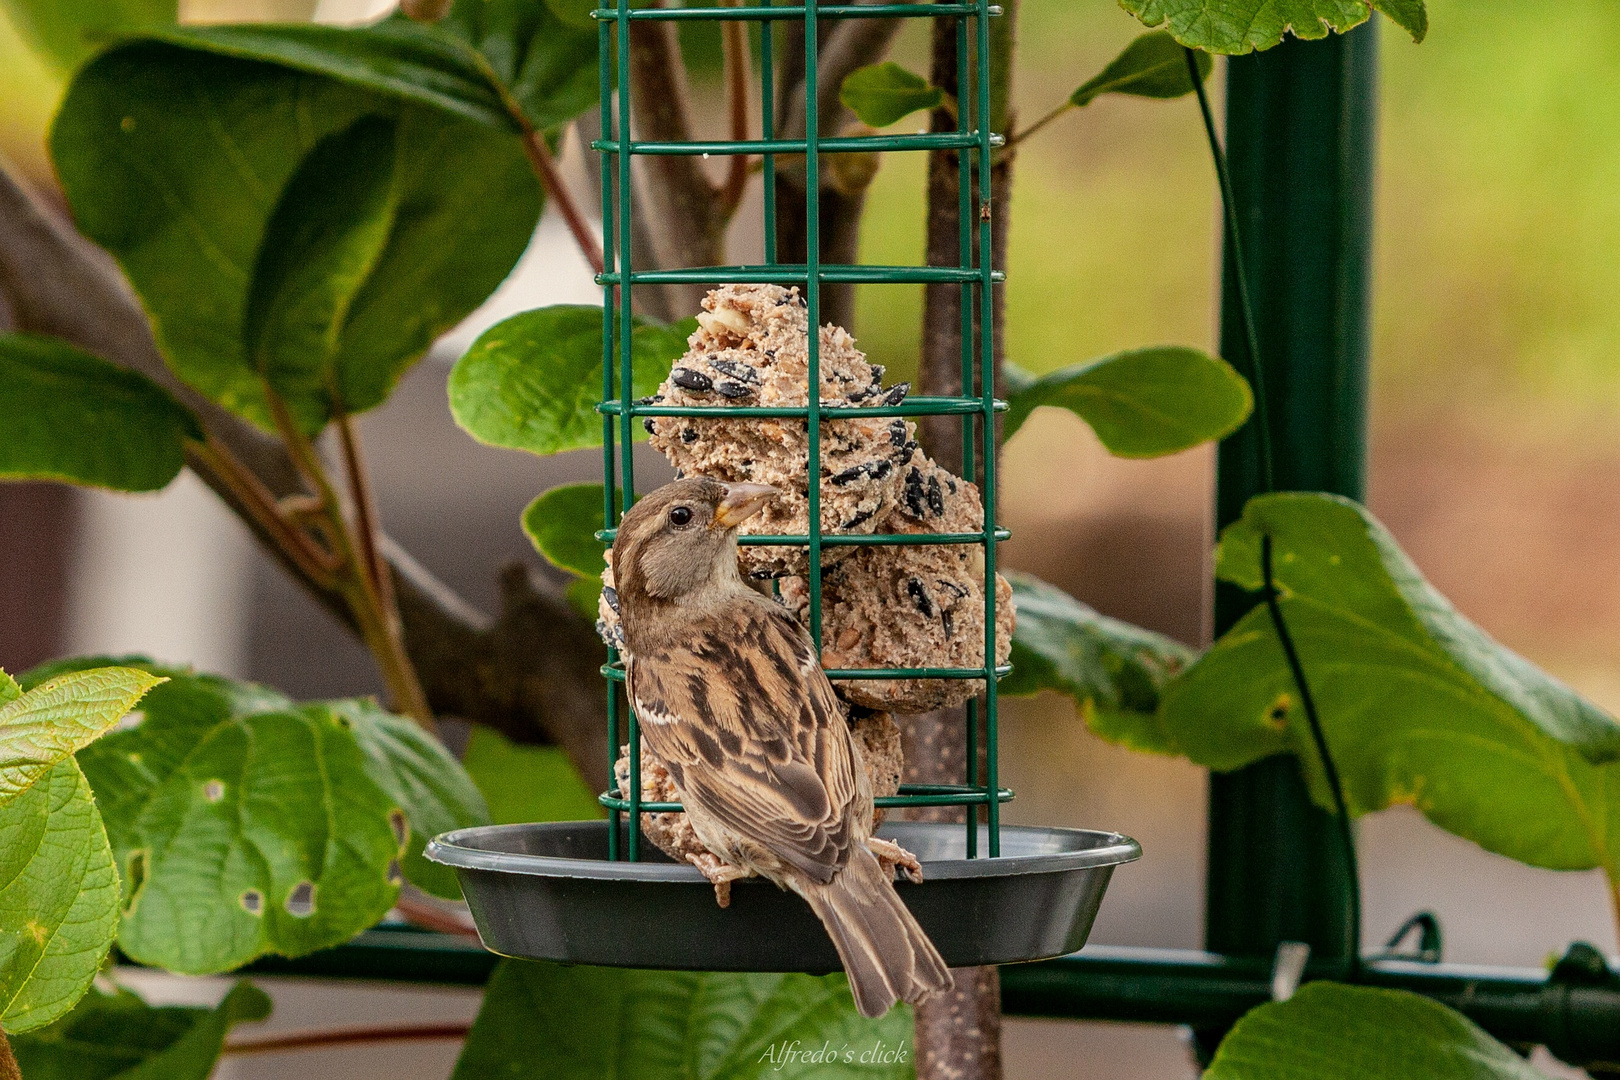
(748, 725)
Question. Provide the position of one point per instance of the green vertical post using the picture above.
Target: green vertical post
(1300, 122)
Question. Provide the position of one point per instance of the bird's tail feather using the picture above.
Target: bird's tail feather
(886, 954)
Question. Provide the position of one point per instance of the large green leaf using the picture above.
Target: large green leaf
(1153, 66)
(1142, 402)
(602, 1022)
(1419, 706)
(246, 824)
(1240, 26)
(200, 172)
(58, 882)
(485, 61)
(67, 31)
(546, 63)
(118, 1036)
(527, 783)
(71, 416)
(563, 523)
(1115, 672)
(56, 718)
(886, 93)
(58, 897)
(1328, 1031)
(532, 382)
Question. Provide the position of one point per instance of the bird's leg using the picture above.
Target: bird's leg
(720, 875)
(892, 855)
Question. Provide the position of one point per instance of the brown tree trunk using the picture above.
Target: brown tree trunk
(36, 531)
(958, 1034)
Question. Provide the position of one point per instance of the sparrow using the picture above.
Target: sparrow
(731, 697)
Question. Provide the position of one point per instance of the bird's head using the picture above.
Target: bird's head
(683, 537)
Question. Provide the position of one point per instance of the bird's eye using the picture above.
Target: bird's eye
(681, 516)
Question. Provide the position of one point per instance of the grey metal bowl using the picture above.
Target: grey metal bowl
(548, 892)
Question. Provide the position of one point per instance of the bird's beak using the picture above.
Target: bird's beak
(742, 502)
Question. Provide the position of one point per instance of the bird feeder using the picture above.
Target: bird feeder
(598, 892)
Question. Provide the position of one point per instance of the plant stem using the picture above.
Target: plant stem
(1257, 375)
(1614, 903)
(321, 1040)
(1014, 140)
(738, 78)
(312, 560)
(428, 917)
(545, 167)
(382, 635)
(365, 509)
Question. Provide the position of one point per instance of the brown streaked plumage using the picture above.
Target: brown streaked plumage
(732, 699)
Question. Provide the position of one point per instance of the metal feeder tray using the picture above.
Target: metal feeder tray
(549, 892)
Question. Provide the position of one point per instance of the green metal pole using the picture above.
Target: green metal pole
(1300, 121)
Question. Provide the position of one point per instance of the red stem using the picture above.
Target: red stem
(320, 1040)
(545, 167)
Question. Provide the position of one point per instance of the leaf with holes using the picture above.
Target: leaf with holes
(282, 222)
(701, 1025)
(245, 824)
(1328, 1031)
(1114, 672)
(1142, 402)
(117, 1036)
(127, 432)
(1419, 706)
(1152, 66)
(1234, 27)
(886, 93)
(532, 382)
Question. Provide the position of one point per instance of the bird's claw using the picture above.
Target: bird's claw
(720, 875)
(892, 856)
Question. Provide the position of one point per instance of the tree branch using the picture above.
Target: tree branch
(738, 83)
(845, 44)
(682, 209)
(958, 1034)
(551, 179)
(531, 674)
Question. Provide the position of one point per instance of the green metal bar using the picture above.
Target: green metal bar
(846, 144)
(873, 540)
(609, 510)
(627, 387)
(1300, 135)
(830, 11)
(610, 671)
(788, 274)
(918, 406)
(1524, 1007)
(813, 277)
(988, 429)
(767, 127)
(964, 238)
(910, 795)
(1578, 1022)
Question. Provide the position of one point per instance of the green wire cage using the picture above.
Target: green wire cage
(588, 892)
(973, 142)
